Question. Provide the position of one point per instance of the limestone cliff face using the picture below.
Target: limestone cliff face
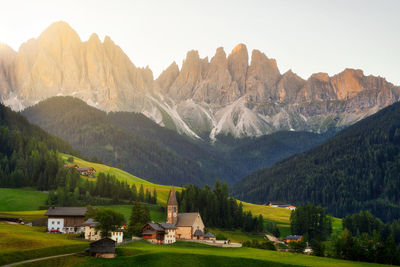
(7, 59)
(226, 95)
(58, 62)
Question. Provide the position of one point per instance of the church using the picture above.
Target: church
(188, 225)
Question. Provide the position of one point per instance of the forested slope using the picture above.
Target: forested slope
(358, 168)
(94, 133)
(28, 155)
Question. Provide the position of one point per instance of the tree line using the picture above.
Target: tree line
(106, 190)
(217, 209)
(364, 237)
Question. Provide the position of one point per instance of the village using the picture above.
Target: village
(178, 227)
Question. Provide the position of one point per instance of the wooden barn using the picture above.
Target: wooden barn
(103, 248)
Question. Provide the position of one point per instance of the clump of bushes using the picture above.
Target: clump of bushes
(268, 245)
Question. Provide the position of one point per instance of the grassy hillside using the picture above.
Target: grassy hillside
(162, 190)
(21, 199)
(20, 242)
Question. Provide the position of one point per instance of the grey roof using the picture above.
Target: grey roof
(103, 240)
(198, 232)
(209, 235)
(90, 222)
(156, 227)
(148, 232)
(167, 225)
(187, 219)
(66, 211)
(172, 197)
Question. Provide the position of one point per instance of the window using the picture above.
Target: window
(52, 222)
(58, 222)
(174, 209)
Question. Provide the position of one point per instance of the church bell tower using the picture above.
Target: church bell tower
(172, 208)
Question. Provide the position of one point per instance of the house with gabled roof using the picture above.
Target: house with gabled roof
(65, 219)
(159, 233)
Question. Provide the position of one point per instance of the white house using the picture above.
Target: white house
(117, 236)
(90, 230)
(65, 219)
(93, 235)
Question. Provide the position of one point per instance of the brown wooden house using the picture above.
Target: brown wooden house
(103, 248)
(86, 171)
(159, 233)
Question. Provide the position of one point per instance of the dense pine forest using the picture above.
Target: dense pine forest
(218, 209)
(28, 155)
(96, 135)
(358, 169)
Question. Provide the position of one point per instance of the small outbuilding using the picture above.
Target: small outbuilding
(210, 236)
(198, 234)
(103, 248)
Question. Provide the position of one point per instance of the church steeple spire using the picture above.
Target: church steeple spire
(172, 207)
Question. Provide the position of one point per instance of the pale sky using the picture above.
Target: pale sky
(305, 36)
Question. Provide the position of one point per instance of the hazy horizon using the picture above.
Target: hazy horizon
(307, 37)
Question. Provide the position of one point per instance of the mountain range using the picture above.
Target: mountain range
(204, 99)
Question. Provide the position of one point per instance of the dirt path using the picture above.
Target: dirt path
(38, 259)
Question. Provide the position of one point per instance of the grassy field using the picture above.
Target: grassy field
(20, 242)
(236, 236)
(156, 213)
(28, 216)
(162, 190)
(12, 199)
(192, 254)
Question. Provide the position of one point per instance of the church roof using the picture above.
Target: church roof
(172, 197)
(187, 219)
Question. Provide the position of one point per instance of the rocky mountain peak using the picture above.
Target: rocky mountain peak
(262, 77)
(167, 77)
(238, 63)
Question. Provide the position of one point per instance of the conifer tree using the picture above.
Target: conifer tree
(141, 193)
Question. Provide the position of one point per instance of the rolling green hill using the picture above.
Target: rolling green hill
(21, 199)
(356, 169)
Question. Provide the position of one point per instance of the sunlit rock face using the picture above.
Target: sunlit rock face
(228, 94)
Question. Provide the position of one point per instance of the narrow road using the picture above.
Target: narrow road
(38, 259)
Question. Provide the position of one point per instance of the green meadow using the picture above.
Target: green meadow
(21, 242)
(192, 254)
(21, 199)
